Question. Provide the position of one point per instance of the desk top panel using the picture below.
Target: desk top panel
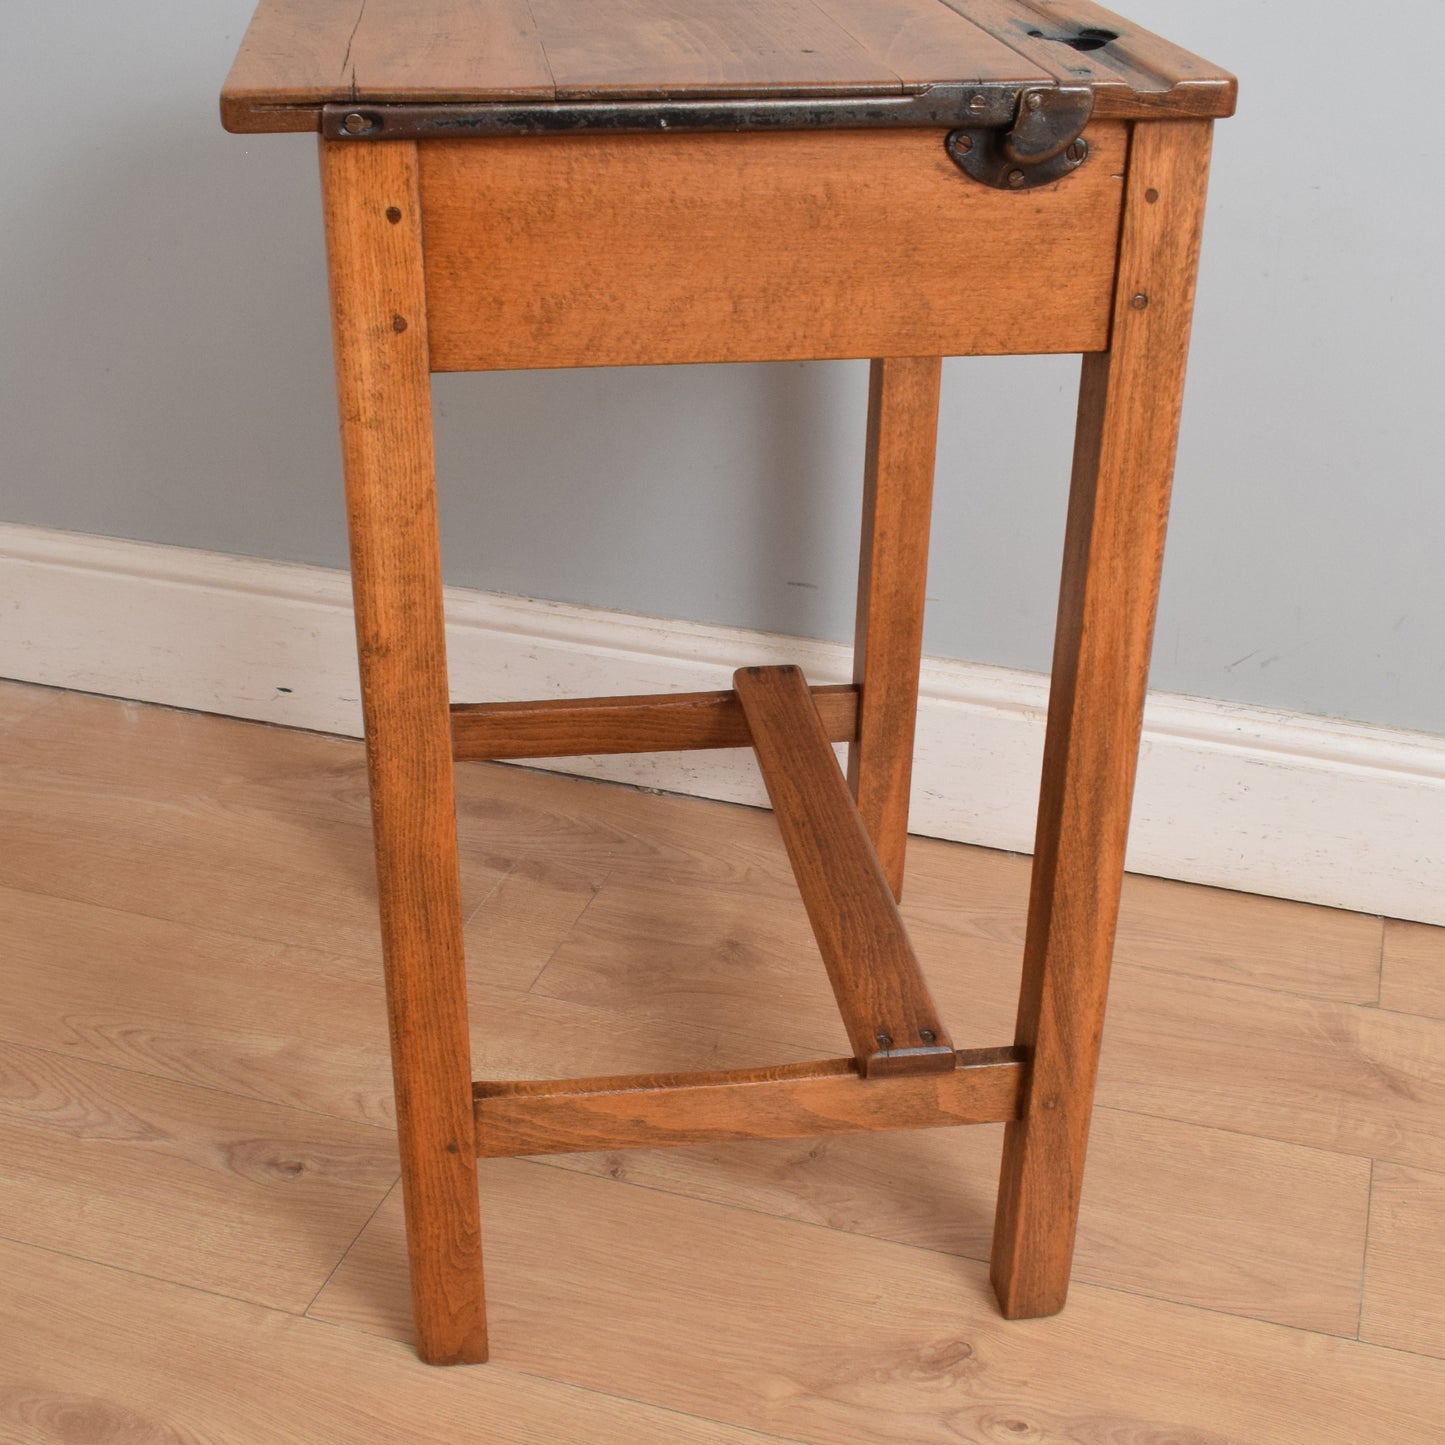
(299, 55)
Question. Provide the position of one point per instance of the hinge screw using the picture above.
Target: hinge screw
(1016, 179)
(1139, 302)
(1035, 100)
(356, 123)
(963, 144)
(978, 103)
(1077, 151)
(884, 1041)
(927, 1035)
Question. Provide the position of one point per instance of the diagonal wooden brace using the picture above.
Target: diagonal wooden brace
(886, 1007)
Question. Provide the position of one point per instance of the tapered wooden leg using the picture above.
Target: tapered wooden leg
(1123, 466)
(892, 573)
(373, 232)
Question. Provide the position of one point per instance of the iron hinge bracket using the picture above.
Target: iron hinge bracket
(1044, 143)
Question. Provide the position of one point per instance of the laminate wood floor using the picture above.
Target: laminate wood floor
(200, 1234)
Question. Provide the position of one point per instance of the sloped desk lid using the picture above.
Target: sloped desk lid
(300, 55)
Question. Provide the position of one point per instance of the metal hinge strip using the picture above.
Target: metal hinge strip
(937, 105)
(1008, 136)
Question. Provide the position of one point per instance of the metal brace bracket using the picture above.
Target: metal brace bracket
(1044, 143)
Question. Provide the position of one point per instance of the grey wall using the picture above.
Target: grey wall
(164, 374)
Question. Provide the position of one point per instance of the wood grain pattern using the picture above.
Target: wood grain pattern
(1215, 1219)
(301, 54)
(1129, 406)
(642, 49)
(384, 396)
(926, 43)
(440, 50)
(831, 1336)
(1332, 1076)
(790, 1101)
(18, 700)
(160, 833)
(1135, 75)
(173, 1366)
(730, 951)
(1413, 968)
(298, 55)
(571, 727)
(291, 59)
(887, 1011)
(619, 250)
(1404, 1300)
(892, 577)
(877, 1342)
(185, 1183)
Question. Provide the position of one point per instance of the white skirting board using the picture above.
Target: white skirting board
(1239, 797)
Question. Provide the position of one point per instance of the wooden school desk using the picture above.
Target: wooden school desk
(550, 183)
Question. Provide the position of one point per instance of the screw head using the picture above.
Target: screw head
(927, 1035)
(1076, 151)
(398, 323)
(393, 214)
(1016, 179)
(963, 144)
(356, 123)
(884, 1041)
(1139, 301)
(1034, 101)
(978, 103)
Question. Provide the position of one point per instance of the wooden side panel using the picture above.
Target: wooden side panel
(587, 726)
(1123, 465)
(373, 236)
(892, 573)
(792, 1101)
(614, 251)
(887, 1010)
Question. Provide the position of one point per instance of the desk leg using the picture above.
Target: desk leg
(373, 232)
(892, 574)
(1123, 465)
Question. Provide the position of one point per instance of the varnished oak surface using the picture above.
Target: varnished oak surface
(756, 247)
(892, 1023)
(373, 250)
(666, 722)
(787, 1101)
(301, 54)
(196, 1109)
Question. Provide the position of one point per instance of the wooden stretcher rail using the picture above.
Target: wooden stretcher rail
(791, 1101)
(578, 727)
(885, 1004)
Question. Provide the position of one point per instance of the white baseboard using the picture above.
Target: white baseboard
(1239, 797)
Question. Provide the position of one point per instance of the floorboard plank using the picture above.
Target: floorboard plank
(93, 1354)
(1198, 1216)
(787, 1328)
(193, 1084)
(1404, 1303)
(1349, 1078)
(294, 1025)
(186, 1184)
(1413, 969)
(18, 700)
